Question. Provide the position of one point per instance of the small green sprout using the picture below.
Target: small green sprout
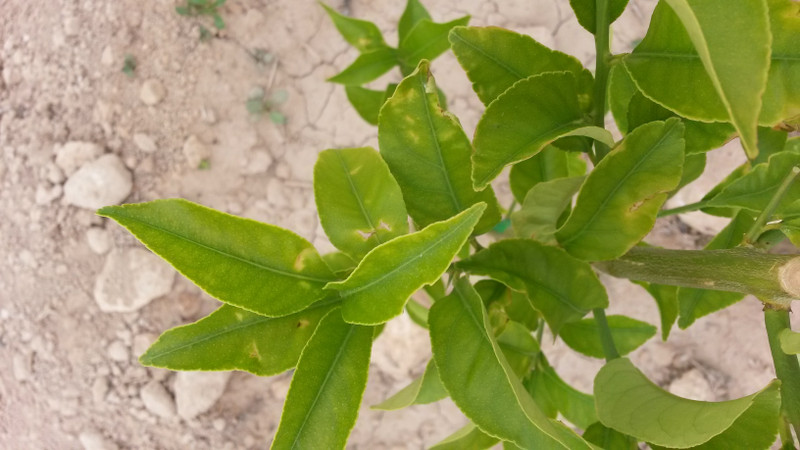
(129, 66)
(258, 103)
(203, 8)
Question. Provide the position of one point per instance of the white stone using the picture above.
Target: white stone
(72, 26)
(197, 392)
(157, 400)
(195, 151)
(107, 58)
(152, 92)
(92, 440)
(692, 385)
(46, 195)
(99, 389)
(99, 240)
(102, 182)
(74, 154)
(144, 142)
(118, 351)
(130, 279)
(22, 366)
(258, 162)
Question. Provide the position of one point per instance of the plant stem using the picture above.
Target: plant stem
(762, 219)
(606, 340)
(682, 209)
(787, 368)
(603, 52)
(774, 279)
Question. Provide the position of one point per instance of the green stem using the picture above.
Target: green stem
(606, 340)
(603, 52)
(762, 219)
(511, 209)
(787, 368)
(682, 209)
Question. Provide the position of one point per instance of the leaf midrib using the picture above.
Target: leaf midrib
(357, 194)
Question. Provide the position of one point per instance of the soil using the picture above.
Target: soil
(179, 126)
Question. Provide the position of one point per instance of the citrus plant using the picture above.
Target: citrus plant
(706, 72)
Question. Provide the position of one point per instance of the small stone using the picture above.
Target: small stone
(283, 171)
(102, 182)
(195, 151)
(218, 424)
(258, 163)
(152, 92)
(54, 173)
(197, 392)
(157, 400)
(107, 58)
(74, 154)
(692, 385)
(130, 279)
(117, 351)
(45, 195)
(208, 115)
(72, 26)
(99, 389)
(22, 366)
(92, 440)
(144, 142)
(99, 240)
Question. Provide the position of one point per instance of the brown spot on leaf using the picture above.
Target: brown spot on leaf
(302, 323)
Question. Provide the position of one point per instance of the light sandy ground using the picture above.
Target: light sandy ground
(69, 377)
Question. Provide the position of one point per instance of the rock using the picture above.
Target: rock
(118, 351)
(195, 151)
(74, 154)
(157, 400)
(72, 26)
(152, 92)
(22, 365)
(102, 182)
(54, 173)
(107, 57)
(197, 392)
(258, 162)
(45, 195)
(99, 389)
(693, 385)
(92, 440)
(98, 240)
(144, 143)
(130, 279)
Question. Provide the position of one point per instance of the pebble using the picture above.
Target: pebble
(104, 181)
(99, 240)
(54, 173)
(92, 440)
(258, 162)
(45, 195)
(144, 143)
(130, 279)
(152, 92)
(197, 392)
(118, 351)
(157, 400)
(107, 57)
(195, 151)
(73, 154)
(99, 389)
(22, 366)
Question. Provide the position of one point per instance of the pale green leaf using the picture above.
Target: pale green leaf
(429, 154)
(548, 164)
(695, 303)
(322, 404)
(630, 403)
(586, 12)
(384, 280)
(666, 298)
(537, 219)
(425, 389)
(366, 102)
(519, 347)
(413, 13)
(621, 89)
(790, 342)
(618, 203)
(528, 116)
(704, 68)
(470, 437)
(496, 58)
(628, 334)
(339, 263)
(417, 313)
(781, 100)
(361, 34)
(252, 265)
(562, 288)
(367, 67)
(479, 380)
(516, 305)
(553, 395)
(610, 439)
(426, 40)
(359, 203)
(234, 339)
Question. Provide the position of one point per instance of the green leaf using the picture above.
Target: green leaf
(528, 116)
(429, 154)
(722, 70)
(322, 404)
(360, 204)
(252, 265)
(628, 335)
(423, 390)
(516, 305)
(666, 298)
(367, 67)
(537, 219)
(790, 341)
(417, 313)
(470, 437)
(384, 280)
(495, 59)
(218, 22)
(586, 11)
(479, 380)
(361, 34)
(630, 403)
(519, 347)
(548, 164)
(234, 339)
(366, 102)
(339, 263)
(607, 438)
(553, 395)
(413, 13)
(426, 40)
(781, 100)
(618, 202)
(562, 288)
(621, 89)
